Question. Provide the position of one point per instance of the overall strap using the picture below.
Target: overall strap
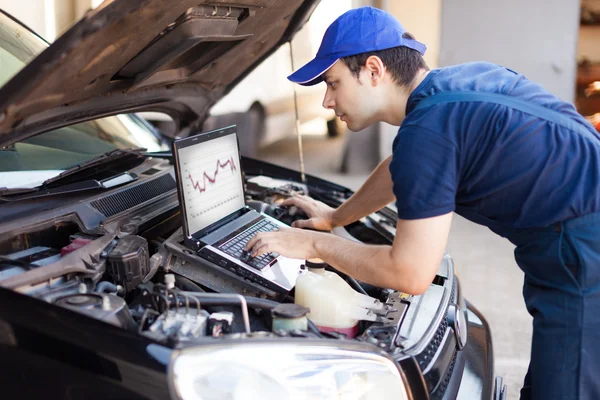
(527, 107)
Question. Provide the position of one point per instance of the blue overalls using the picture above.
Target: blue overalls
(562, 283)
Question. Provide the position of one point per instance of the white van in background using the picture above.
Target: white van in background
(263, 102)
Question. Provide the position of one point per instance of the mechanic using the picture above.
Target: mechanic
(484, 142)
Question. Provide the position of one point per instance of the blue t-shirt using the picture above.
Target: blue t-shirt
(492, 160)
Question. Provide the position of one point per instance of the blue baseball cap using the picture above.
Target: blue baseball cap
(357, 31)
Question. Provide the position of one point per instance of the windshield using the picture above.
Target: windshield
(31, 161)
(18, 46)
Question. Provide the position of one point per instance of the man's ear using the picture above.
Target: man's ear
(375, 70)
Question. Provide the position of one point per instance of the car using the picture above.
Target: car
(103, 299)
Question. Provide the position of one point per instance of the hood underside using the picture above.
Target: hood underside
(177, 57)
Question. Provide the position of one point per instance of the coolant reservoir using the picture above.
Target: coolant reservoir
(333, 304)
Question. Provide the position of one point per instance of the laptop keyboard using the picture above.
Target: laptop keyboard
(235, 246)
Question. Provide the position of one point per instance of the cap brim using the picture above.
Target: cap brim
(312, 72)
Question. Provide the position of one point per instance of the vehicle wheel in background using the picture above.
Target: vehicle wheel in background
(249, 125)
(259, 116)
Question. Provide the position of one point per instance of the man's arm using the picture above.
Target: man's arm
(373, 195)
(409, 265)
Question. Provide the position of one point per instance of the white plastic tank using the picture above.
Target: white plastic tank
(333, 304)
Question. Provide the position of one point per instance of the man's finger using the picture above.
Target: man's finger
(260, 249)
(252, 242)
(290, 201)
(303, 223)
(294, 201)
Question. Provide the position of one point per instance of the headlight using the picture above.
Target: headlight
(284, 371)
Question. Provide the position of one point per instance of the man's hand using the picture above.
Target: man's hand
(289, 242)
(320, 214)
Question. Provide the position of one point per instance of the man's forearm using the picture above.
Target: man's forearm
(368, 263)
(373, 195)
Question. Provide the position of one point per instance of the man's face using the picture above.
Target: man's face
(354, 100)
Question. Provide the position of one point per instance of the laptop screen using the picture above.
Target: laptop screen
(208, 168)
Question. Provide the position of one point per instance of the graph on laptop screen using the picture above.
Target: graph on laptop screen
(211, 180)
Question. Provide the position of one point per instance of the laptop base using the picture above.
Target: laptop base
(187, 263)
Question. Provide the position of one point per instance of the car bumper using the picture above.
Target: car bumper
(477, 363)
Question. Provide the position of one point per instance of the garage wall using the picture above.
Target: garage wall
(537, 38)
(423, 20)
(32, 13)
(49, 18)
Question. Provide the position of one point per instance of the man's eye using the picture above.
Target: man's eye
(331, 85)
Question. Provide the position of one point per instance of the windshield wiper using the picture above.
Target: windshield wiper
(88, 184)
(160, 154)
(82, 186)
(14, 191)
(94, 162)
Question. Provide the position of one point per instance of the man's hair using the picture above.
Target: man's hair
(402, 62)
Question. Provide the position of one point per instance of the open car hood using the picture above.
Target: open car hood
(177, 57)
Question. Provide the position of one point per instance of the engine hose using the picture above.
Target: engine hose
(270, 304)
(209, 300)
(355, 285)
(313, 328)
(351, 281)
(106, 287)
(238, 299)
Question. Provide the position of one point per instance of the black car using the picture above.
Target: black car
(102, 299)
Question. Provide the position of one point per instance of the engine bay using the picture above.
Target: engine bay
(133, 271)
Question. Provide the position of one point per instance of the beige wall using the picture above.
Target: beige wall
(423, 19)
(67, 12)
(32, 13)
(64, 15)
(49, 18)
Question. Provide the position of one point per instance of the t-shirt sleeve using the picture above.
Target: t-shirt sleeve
(424, 172)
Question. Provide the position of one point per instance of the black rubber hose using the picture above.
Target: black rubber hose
(355, 285)
(313, 328)
(269, 305)
(351, 281)
(253, 302)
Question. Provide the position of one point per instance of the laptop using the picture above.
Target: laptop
(217, 223)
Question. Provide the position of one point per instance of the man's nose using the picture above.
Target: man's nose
(328, 102)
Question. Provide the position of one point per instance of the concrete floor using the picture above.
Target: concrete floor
(488, 273)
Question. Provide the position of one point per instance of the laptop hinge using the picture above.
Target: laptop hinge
(192, 244)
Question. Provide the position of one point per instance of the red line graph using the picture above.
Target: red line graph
(220, 165)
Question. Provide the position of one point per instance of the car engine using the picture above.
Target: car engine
(133, 271)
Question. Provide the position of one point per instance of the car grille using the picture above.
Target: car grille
(454, 294)
(439, 393)
(425, 357)
(124, 200)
